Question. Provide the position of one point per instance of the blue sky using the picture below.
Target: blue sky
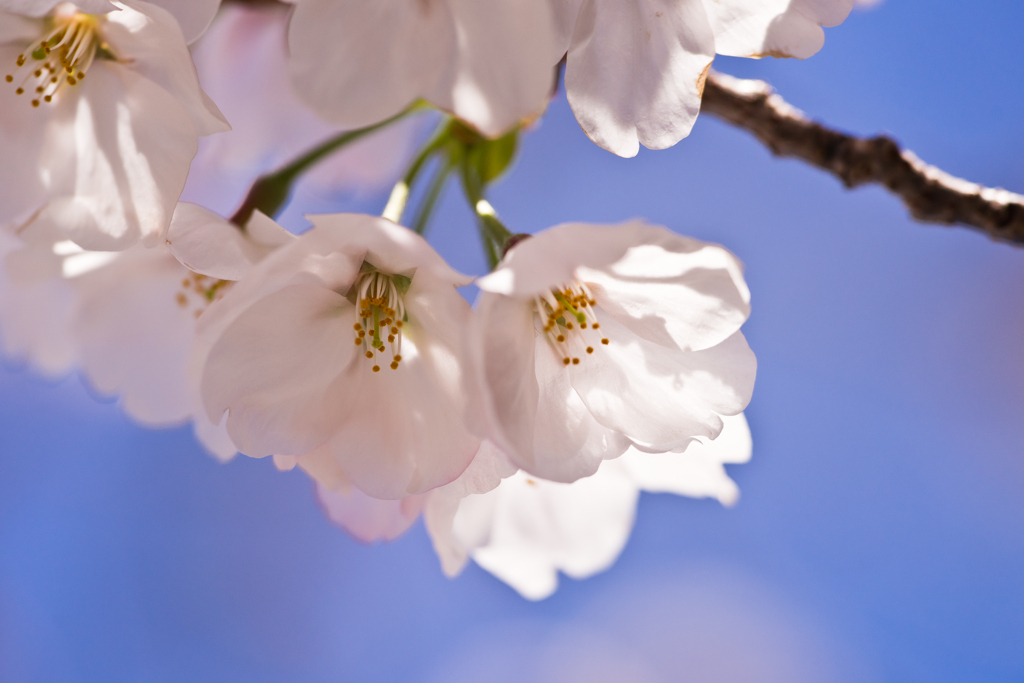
(880, 534)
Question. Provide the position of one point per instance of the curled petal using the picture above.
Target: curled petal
(773, 28)
(698, 471)
(194, 16)
(660, 397)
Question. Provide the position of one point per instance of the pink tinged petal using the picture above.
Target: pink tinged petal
(504, 390)
(149, 38)
(533, 528)
(116, 155)
(401, 432)
(673, 291)
(134, 336)
(369, 519)
(276, 369)
(660, 397)
(635, 72)
(208, 244)
(485, 473)
(361, 61)
(194, 16)
(698, 471)
(568, 442)
(37, 8)
(504, 70)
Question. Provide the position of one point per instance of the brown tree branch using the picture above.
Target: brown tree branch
(932, 195)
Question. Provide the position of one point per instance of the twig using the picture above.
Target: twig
(931, 194)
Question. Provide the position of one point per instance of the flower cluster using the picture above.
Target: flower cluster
(597, 361)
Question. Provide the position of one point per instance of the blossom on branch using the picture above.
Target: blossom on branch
(491, 64)
(101, 117)
(588, 339)
(127, 319)
(635, 70)
(344, 351)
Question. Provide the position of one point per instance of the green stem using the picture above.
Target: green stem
(395, 207)
(426, 209)
(271, 192)
(493, 232)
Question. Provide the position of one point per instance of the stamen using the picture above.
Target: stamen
(379, 309)
(567, 315)
(61, 57)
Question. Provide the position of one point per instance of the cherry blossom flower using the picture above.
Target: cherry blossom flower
(635, 70)
(101, 117)
(527, 529)
(344, 351)
(491, 64)
(243, 58)
(127, 319)
(589, 339)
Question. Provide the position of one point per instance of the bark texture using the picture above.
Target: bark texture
(931, 195)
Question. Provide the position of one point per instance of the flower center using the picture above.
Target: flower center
(569, 321)
(61, 56)
(200, 291)
(380, 315)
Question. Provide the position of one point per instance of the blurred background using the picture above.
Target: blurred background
(880, 533)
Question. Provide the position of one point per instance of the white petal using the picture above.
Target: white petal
(537, 528)
(504, 70)
(568, 442)
(775, 28)
(150, 39)
(401, 432)
(358, 62)
(369, 519)
(208, 244)
(134, 336)
(18, 30)
(485, 472)
(660, 397)
(194, 16)
(636, 71)
(698, 471)
(673, 291)
(117, 154)
(276, 368)
(565, 13)
(504, 395)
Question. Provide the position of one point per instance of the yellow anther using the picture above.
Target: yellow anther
(590, 349)
(376, 368)
(565, 361)
(369, 354)
(357, 327)
(394, 365)
(358, 342)
(575, 361)
(398, 358)
(604, 341)
(560, 337)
